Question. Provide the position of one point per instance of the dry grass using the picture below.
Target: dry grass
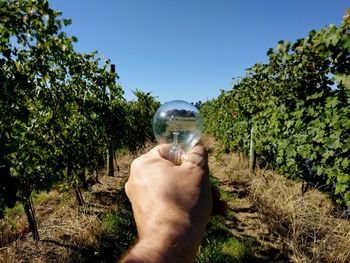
(59, 223)
(68, 233)
(306, 223)
(13, 226)
(63, 226)
(265, 206)
(305, 228)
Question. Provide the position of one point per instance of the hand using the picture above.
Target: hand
(171, 205)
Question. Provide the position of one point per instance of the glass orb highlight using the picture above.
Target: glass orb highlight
(180, 124)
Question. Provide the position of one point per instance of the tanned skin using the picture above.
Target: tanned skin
(171, 205)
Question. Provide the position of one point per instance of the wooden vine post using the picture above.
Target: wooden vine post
(110, 150)
(252, 152)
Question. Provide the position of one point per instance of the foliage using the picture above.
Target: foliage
(59, 109)
(139, 122)
(299, 106)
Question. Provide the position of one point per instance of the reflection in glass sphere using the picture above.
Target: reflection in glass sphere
(180, 124)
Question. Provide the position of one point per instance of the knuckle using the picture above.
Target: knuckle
(135, 164)
(197, 170)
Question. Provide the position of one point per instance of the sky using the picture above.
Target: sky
(190, 49)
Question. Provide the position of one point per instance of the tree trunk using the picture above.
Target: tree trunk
(79, 196)
(69, 172)
(252, 152)
(30, 212)
(96, 176)
(110, 164)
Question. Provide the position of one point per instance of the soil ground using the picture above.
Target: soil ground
(243, 218)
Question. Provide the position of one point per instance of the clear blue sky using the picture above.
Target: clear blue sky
(190, 49)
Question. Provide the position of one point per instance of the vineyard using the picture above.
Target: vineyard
(60, 110)
(299, 106)
(65, 126)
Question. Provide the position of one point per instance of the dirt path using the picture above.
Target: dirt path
(243, 219)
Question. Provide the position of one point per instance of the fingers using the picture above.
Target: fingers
(159, 151)
(198, 156)
(219, 206)
(163, 150)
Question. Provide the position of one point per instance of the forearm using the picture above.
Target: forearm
(146, 251)
(169, 244)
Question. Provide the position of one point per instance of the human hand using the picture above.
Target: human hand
(171, 204)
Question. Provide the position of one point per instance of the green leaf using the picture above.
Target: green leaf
(332, 102)
(67, 22)
(346, 145)
(345, 163)
(328, 154)
(343, 79)
(314, 96)
(340, 188)
(330, 142)
(319, 170)
(347, 198)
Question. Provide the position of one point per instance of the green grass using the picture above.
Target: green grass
(220, 245)
(237, 248)
(110, 239)
(14, 212)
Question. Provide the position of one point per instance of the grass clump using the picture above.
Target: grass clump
(220, 245)
(15, 211)
(109, 238)
(307, 223)
(236, 248)
(13, 226)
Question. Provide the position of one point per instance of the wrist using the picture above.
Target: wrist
(164, 221)
(167, 247)
(166, 240)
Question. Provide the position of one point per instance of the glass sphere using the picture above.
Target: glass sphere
(178, 123)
